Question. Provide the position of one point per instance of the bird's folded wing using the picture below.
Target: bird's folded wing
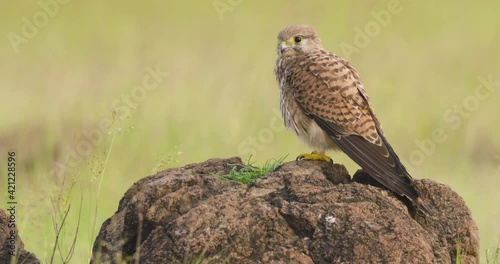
(331, 93)
(379, 161)
(331, 89)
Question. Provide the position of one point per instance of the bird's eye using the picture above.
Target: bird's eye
(297, 39)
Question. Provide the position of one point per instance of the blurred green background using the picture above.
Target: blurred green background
(220, 98)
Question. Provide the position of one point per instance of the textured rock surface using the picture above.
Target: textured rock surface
(23, 256)
(304, 212)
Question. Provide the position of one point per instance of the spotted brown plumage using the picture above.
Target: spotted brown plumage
(324, 102)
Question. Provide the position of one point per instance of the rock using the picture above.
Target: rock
(304, 212)
(22, 256)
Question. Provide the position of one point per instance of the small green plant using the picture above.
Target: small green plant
(493, 253)
(458, 246)
(165, 159)
(247, 173)
(98, 169)
(61, 206)
(199, 259)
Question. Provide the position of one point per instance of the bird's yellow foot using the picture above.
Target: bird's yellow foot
(315, 155)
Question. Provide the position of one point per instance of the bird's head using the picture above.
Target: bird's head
(297, 39)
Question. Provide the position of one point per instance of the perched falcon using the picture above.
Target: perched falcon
(323, 101)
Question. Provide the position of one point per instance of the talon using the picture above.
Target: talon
(302, 156)
(315, 155)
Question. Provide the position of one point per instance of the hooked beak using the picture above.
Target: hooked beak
(282, 47)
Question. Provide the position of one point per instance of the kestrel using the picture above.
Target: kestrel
(324, 102)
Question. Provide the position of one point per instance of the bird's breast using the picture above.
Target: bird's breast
(306, 128)
(293, 115)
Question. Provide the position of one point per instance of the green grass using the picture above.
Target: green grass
(248, 173)
(64, 244)
(220, 99)
(493, 253)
